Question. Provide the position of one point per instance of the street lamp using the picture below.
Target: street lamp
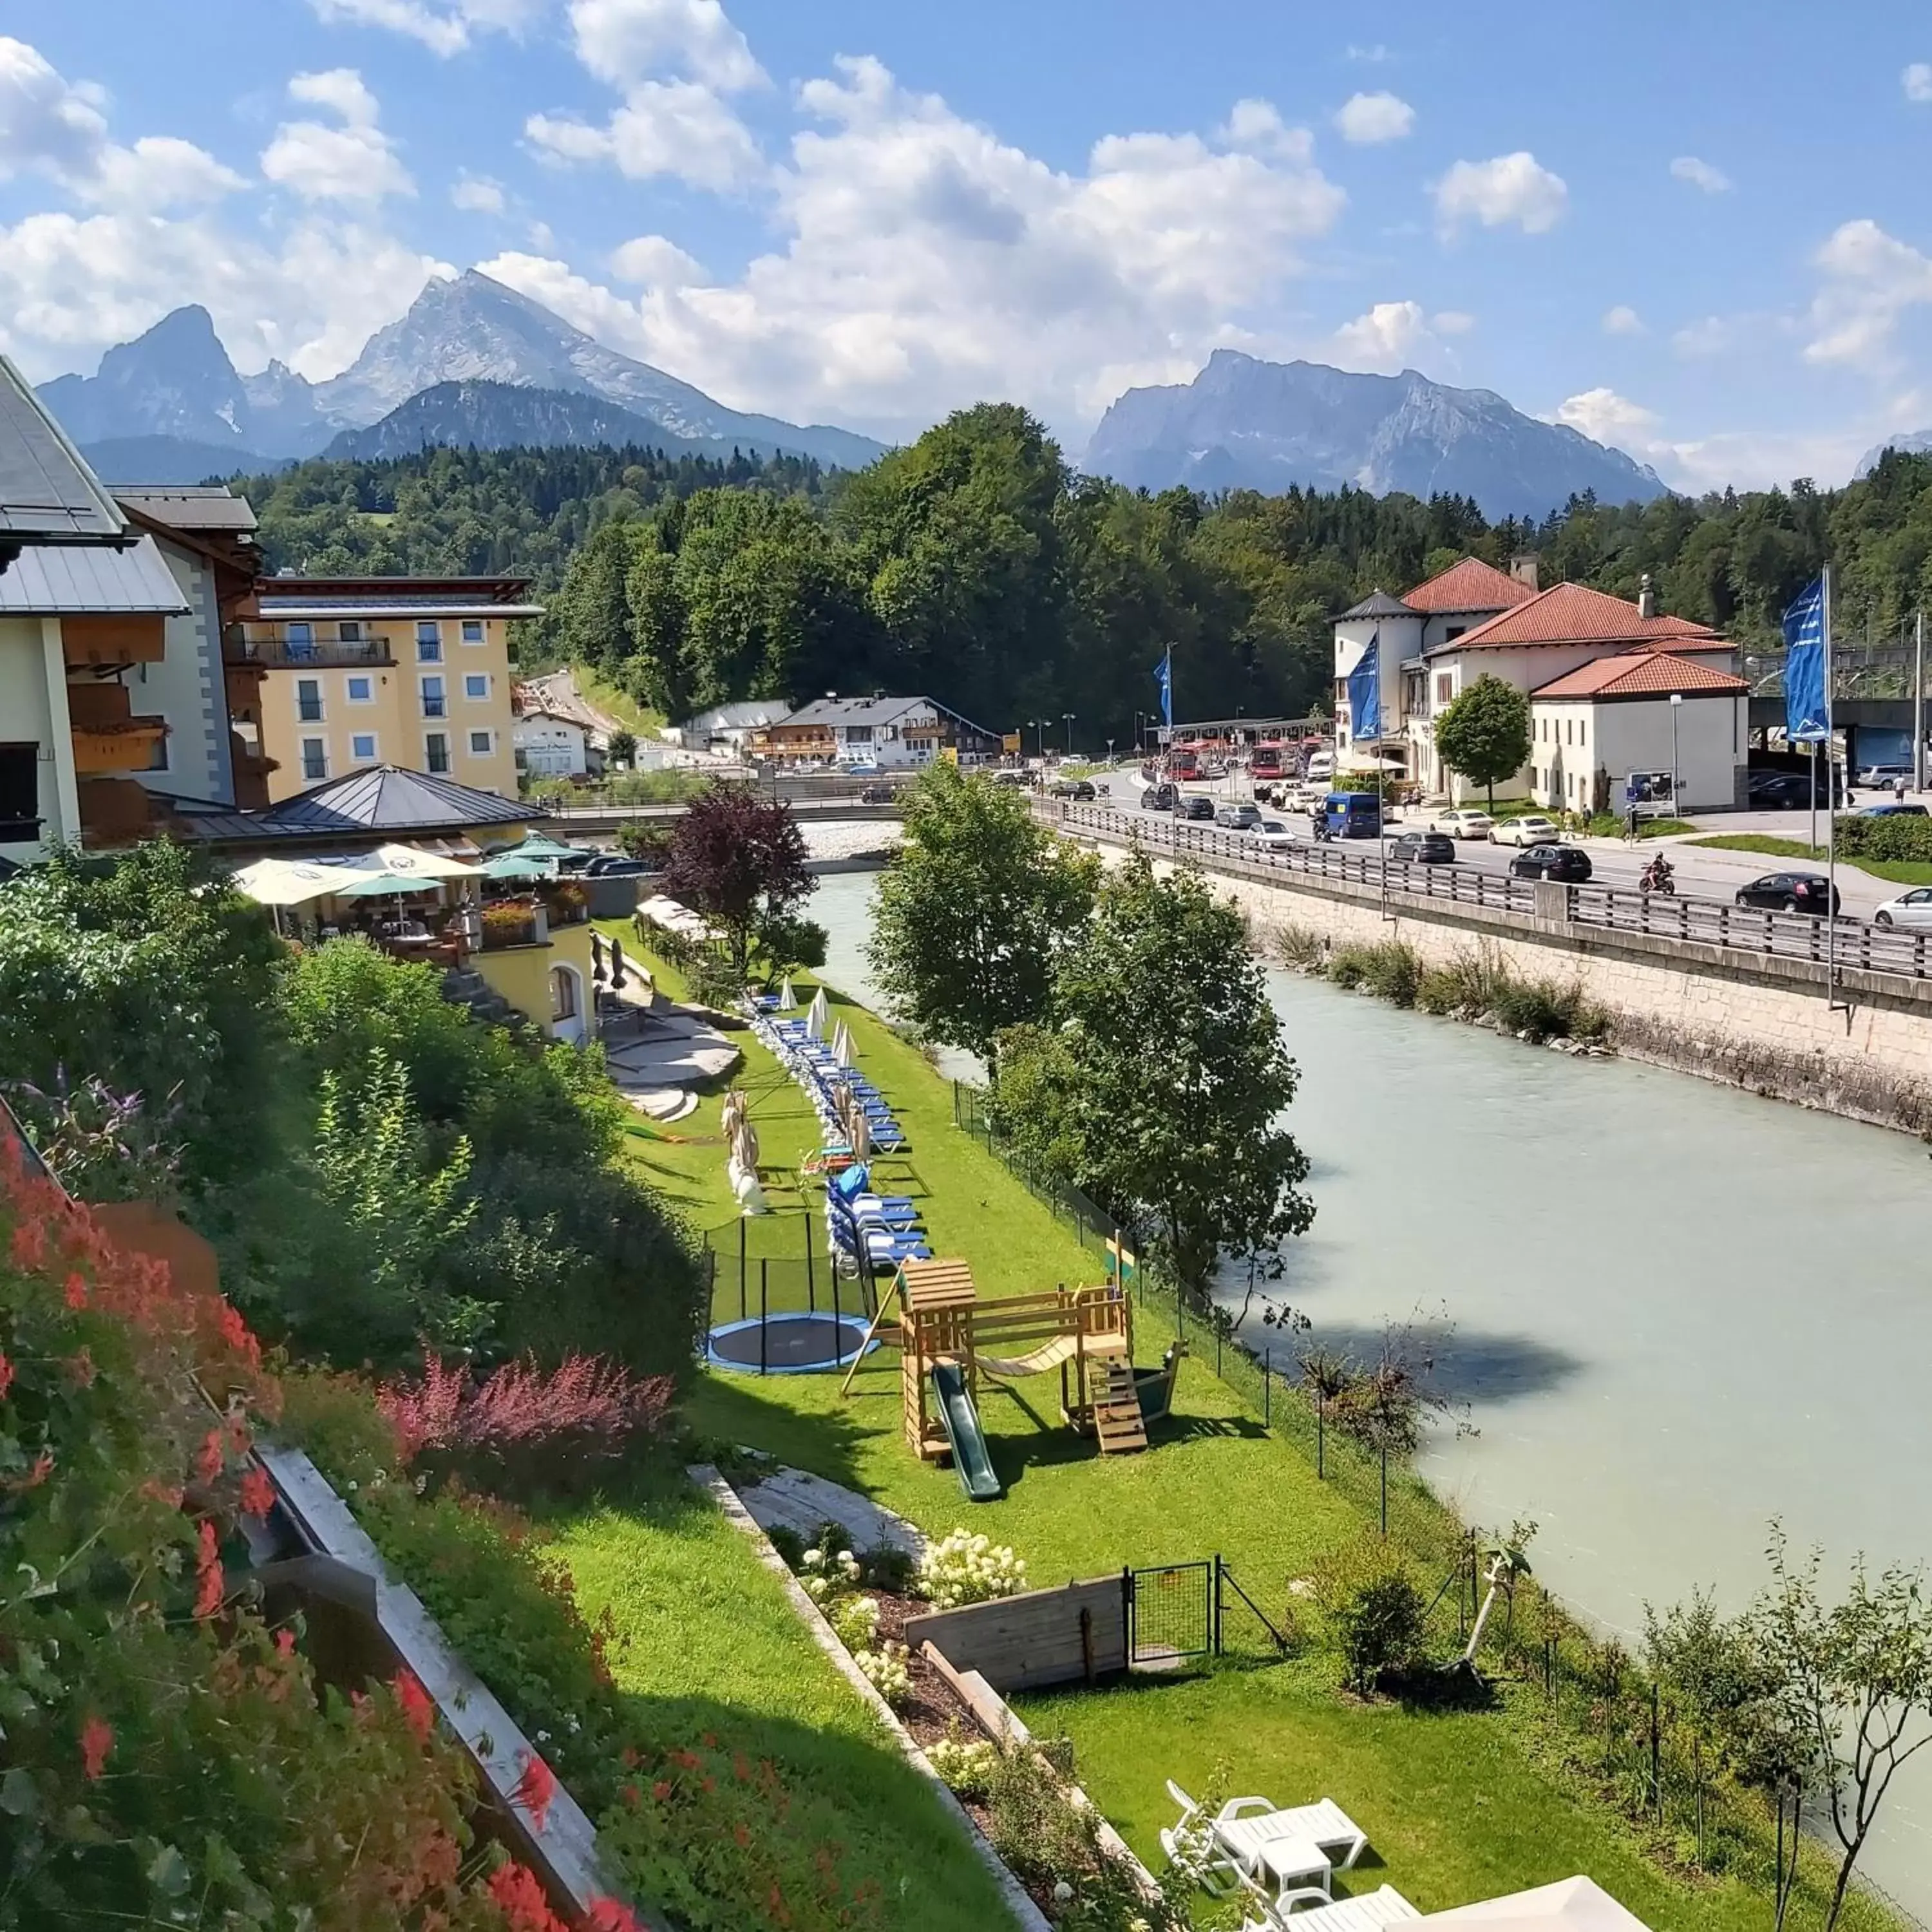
(1110, 750)
(1676, 706)
(1066, 718)
(1040, 724)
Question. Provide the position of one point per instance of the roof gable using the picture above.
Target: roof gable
(385, 798)
(1573, 613)
(1645, 672)
(1379, 603)
(1469, 585)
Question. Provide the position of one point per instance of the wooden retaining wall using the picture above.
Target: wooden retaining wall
(1041, 1637)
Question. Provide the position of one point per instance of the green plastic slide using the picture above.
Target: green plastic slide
(970, 1462)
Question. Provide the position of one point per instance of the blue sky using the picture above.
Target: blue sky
(1700, 232)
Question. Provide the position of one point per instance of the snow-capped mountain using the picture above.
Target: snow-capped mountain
(1908, 442)
(177, 382)
(1243, 424)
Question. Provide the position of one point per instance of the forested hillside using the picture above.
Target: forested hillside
(976, 566)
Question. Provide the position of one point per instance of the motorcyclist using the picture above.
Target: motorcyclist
(1658, 876)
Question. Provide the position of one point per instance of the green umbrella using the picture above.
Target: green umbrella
(518, 864)
(537, 845)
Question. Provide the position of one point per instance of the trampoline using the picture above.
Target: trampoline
(791, 1344)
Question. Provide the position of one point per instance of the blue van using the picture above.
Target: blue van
(1353, 814)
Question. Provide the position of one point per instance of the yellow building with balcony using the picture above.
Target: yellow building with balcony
(364, 672)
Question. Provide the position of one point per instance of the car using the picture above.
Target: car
(1195, 805)
(1463, 824)
(1012, 778)
(1078, 790)
(1424, 848)
(1276, 834)
(1892, 808)
(1912, 909)
(1237, 817)
(1790, 892)
(1531, 829)
(1568, 865)
(1882, 778)
(1790, 791)
(1159, 798)
(875, 794)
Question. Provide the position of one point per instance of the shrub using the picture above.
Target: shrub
(1375, 1610)
(856, 1622)
(963, 1568)
(1390, 971)
(827, 1574)
(964, 1766)
(1539, 1009)
(1901, 839)
(1299, 945)
(886, 1670)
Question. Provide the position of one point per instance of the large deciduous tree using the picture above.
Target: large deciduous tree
(1484, 733)
(740, 860)
(975, 911)
(1163, 1083)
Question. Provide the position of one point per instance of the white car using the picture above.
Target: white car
(1532, 829)
(1276, 834)
(1463, 824)
(1912, 909)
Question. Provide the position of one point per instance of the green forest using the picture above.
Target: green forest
(978, 566)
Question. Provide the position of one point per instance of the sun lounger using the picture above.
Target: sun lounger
(1244, 1824)
(1370, 1912)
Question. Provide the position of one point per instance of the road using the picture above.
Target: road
(1703, 871)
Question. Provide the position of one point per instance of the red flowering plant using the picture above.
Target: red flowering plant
(167, 1757)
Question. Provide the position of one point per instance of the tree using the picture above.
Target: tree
(1484, 733)
(740, 860)
(1854, 1680)
(621, 750)
(975, 913)
(1180, 1078)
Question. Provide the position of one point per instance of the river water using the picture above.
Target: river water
(1678, 1311)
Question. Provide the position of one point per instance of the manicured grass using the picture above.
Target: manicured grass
(1901, 871)
(706, 1635)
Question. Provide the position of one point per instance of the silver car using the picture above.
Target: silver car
(1913, 910)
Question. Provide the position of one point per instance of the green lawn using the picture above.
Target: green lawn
(1900, 872)
(1459, 1804)
(705, 1636)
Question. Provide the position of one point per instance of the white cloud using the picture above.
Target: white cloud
(1510, 189)
(1365, 119)
(623, 42)
(1871, 280)
(674, 128)
(356, 161)
(1759, 459)
(159, 171)
(1699, 175)
(1917, 81)
(653, 262)
(1710, 335)
(444, 32)
(1452, 322)
(1256, 127)
(1604, 416)
(1374, 55)
(1391, 337)
(922, 263)
(1623, 320)
(477, 194)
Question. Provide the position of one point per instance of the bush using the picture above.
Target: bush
(885, 1670)
(964, 1766)
(855, 1622)
(1391, 971)
(1374, 1611)
(1299, 945)
(963, 1568)
(1900, 840)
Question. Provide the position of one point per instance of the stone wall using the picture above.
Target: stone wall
(1764, 1023)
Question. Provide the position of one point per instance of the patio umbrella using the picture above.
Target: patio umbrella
(407, 861)
(858, 1132)
(787, 999)
(517, 865)
(733, 1111)
(845, 1047)
(384, 886)
(816, 1015)
(537, 845)
(745, 1145)
(290, 882)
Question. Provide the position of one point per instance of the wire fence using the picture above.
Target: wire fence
(1590, 1704)
(773, 1265)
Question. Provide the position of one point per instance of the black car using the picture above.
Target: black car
(1078, 790)
(875, 794)
(1195, 805)
(1569, 865)
(1425, 848)
(614, 866)
(1158, 798)
(1790, 892)
(1791, 791)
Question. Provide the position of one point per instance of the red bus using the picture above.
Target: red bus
(1183, 764)
(1267, 763)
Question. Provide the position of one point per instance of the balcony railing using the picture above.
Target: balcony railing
(321, 653)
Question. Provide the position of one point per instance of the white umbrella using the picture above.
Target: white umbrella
(745, 1145)
(816, 1015)
(787, 999)
(1570, 1905)
(406, 861)
(290, 882)
(858, 1132)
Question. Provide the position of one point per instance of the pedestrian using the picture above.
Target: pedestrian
(1630, 825)
(1898, 788)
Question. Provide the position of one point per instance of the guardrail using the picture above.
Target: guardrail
(1852, 944)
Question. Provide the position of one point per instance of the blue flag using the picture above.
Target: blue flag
(1365, 694)
(1806, 708)
(1163, 676)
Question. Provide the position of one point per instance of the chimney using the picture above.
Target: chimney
(1646, 597)
(1522, 567)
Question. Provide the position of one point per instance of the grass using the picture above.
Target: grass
(1900, 872)
(1460, 1804)
(693, 1609)
(640, 720)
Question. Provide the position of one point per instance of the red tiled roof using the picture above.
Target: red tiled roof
(1470, 585)
(1643, 672)
(1573, 613)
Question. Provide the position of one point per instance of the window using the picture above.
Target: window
(308, 700)
(476, 684)
(563, 993)
(429, 642)
(300, 635)
(350, 630)
(433, 704)
(19, 791)
(436, 752)
(1454, 631)
(362, 747)
(1582, 730)
(361, 691)
(315, 758)
(472, 630)
(1445, 687)
(481, 743)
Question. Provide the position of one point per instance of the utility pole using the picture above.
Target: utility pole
(1676, 710)
(1918, 707)
(1066, 718)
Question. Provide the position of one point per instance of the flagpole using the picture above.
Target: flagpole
(1831, 817)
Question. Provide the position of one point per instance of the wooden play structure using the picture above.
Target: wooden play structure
(949, 1339)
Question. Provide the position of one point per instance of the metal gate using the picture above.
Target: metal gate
(1171, 1612)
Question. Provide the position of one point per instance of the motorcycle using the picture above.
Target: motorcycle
(1658, 877)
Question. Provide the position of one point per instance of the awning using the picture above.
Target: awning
(290, 882)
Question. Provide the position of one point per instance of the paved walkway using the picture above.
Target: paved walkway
(795, 1500)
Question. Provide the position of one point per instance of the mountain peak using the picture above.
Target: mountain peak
(1245, 424)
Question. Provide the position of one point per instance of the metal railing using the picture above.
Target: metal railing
(322, 654)
(1854, 945)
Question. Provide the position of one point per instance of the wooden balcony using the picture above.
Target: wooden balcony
(114, 812)
(242, 680)
(252, 767)
(103, 641)
(108, 736)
